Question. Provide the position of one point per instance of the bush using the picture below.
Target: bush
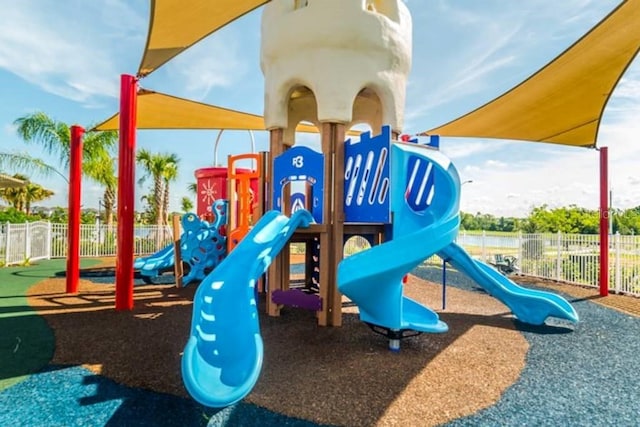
(533, 248)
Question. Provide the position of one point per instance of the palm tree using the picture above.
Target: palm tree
(55, 137)
(186, 204)
(27, 164)
(35, 193)
(170, 174)
(159, 167)
(22, 197)
(192, 188)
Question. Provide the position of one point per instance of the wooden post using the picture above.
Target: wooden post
(275, 273)
(337, 149)
(177, 251)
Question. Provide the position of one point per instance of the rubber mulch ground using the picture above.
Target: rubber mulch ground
(578, 376)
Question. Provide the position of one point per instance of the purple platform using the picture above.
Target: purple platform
(297, 298)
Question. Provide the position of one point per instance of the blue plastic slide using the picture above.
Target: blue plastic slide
(425, 220)
(425, 196)
(223, 357)
(153, 264)
(529, 305)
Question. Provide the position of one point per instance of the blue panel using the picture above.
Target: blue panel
(366, 178)
(300, 164)
(419, 183)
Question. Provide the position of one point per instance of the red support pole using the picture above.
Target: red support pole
(604, 222)
(75, 189)
(126, 189)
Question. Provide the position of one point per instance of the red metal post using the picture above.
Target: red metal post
(75, 188)
(604, 222)
(126, 190)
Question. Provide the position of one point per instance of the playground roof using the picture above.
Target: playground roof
(563, 102)
(176, 25)
(160, 111)
(7, 181)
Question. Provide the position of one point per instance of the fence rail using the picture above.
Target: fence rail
(23, 243)
(570, 258)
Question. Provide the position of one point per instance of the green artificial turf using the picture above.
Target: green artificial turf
(26, 341)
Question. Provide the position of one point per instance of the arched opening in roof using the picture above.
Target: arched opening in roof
(367, 110)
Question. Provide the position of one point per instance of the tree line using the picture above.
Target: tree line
(542, 219)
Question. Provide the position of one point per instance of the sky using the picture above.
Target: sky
(65, 58)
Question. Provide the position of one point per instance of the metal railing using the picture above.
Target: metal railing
(570, 258)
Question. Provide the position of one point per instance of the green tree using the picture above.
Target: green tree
(159, 167)
(55, 138)
(22, 197)
(170, 175)
(186, 204)
(26, 164)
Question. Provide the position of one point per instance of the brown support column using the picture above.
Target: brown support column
(276, 271)
(177, 250)
(327, 271)
(337, 143)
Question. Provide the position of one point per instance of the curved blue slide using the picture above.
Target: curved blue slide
(425, 196)
(223, 357)
(425, 220)
(151, 265)
(528, 305)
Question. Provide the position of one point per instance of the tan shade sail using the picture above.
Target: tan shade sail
(176, 25)
(563, 102)
(7, 181)
(160, 111)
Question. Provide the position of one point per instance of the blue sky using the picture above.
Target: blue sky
(65, 58)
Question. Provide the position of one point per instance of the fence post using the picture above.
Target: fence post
(520, 251)
(482, 247)
(7, 245)
(618, 262)
(559, 257)
(48, 241)
(27, 242)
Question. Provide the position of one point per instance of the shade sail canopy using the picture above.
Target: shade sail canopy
(7, 181)
(564, 101)
(176, 25)
(160, 111)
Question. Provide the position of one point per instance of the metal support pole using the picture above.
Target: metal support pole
(75, 189)
(604, 222)
(126, 190)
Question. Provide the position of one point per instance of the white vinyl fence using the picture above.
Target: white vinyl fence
(23, 243)
(570, 258)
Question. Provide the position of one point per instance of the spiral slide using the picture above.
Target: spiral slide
(223, 357)
(425, 197)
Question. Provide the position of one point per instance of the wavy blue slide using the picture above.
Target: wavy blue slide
(425, 198)
(151, 265)
(223, 357)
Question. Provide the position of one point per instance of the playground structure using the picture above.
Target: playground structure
(403, 196)
(204, 243)
(405, 221)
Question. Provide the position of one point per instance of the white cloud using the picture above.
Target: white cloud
(558, 176)
(458, 148)
(214, 62)
(51, 47)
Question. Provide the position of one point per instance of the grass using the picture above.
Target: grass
(26, 342)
